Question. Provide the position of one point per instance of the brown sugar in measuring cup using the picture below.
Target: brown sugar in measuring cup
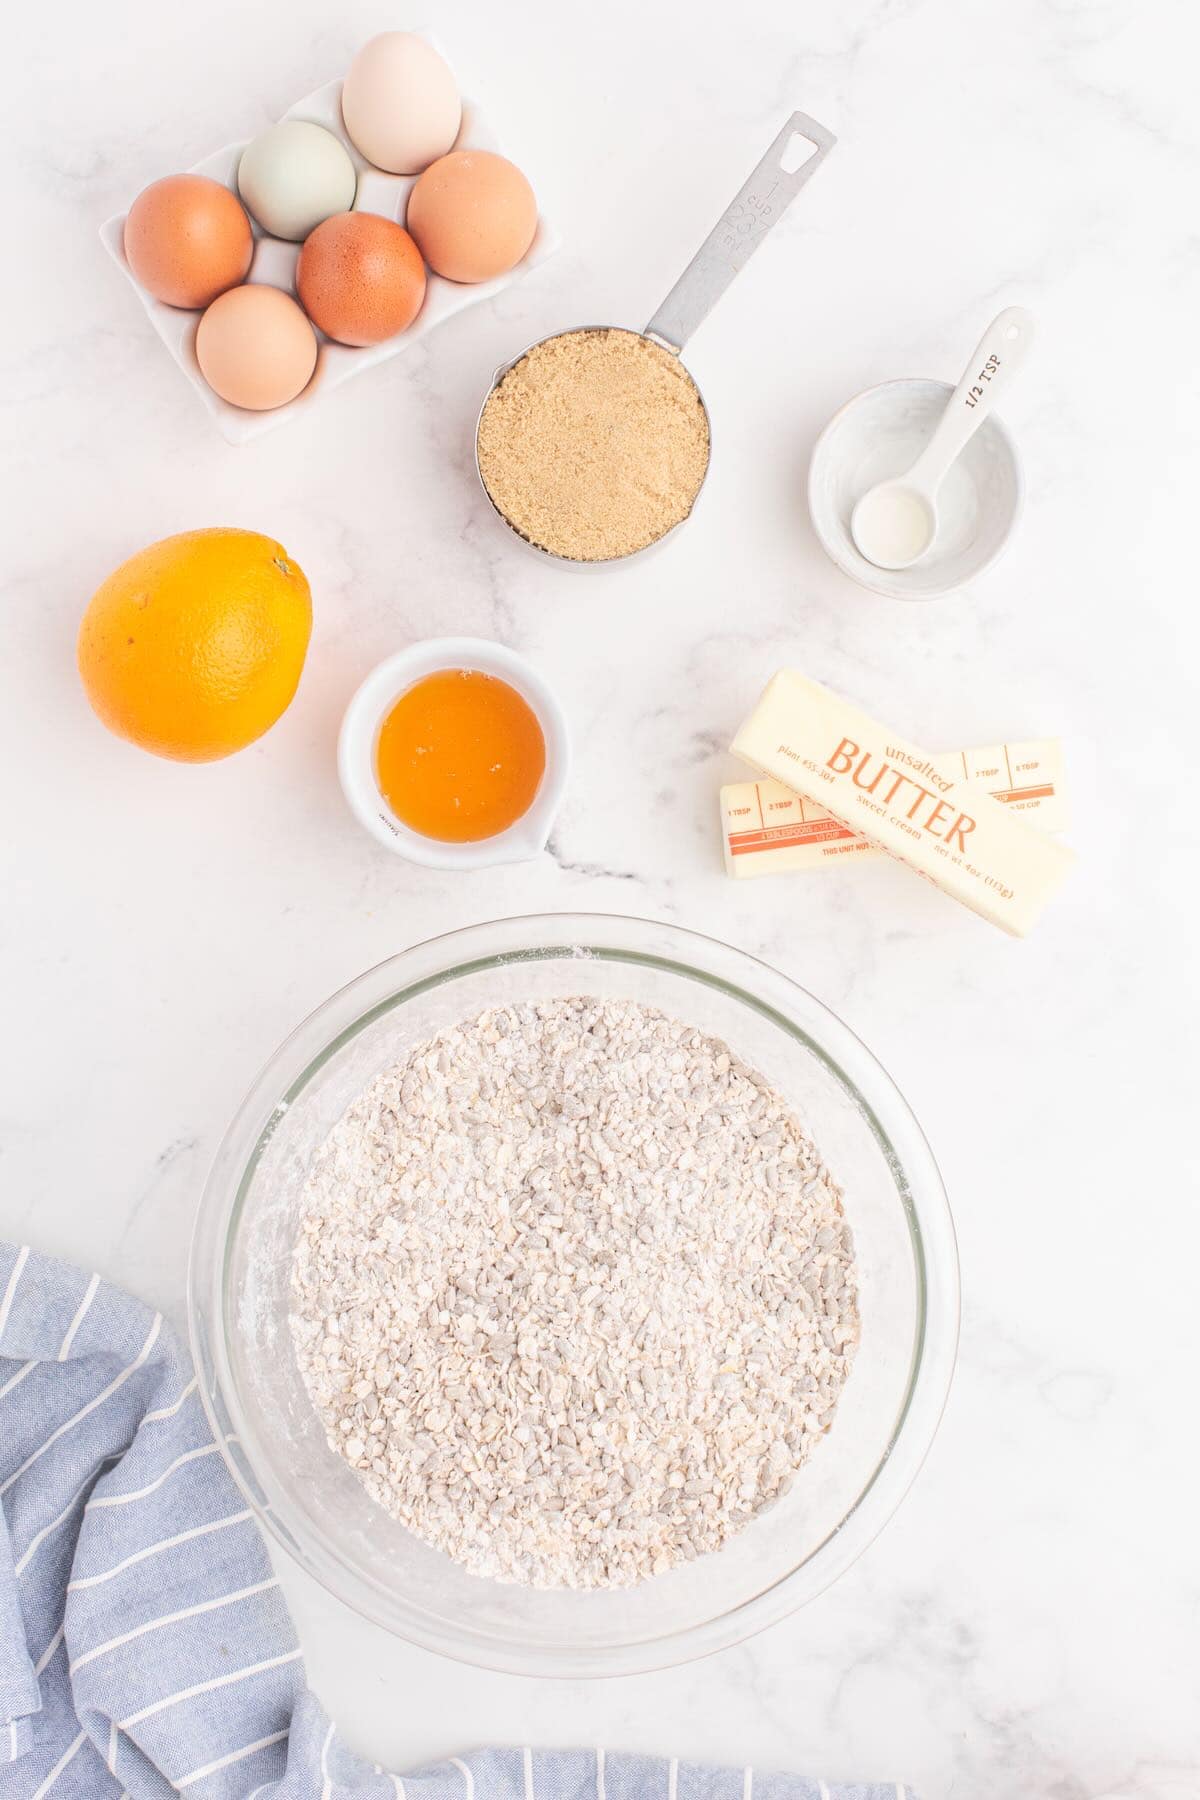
(594, 443)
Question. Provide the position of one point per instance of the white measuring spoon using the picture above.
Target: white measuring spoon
(895, 522)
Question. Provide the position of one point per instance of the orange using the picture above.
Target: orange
(193, 648)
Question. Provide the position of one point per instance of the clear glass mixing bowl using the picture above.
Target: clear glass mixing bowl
(309, 1499)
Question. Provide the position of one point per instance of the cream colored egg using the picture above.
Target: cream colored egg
(400, 103)
(294, 176)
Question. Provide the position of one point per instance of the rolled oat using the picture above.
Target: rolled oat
(573, 1292)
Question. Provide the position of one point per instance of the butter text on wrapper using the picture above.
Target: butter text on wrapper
(842, 762)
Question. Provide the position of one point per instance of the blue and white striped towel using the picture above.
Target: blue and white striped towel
(145, 1649)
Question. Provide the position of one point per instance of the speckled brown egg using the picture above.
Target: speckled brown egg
(360, 278)
(473, 215)
(187, 239)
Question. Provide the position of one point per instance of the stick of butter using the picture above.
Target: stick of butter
(766, 829)
(949, 830)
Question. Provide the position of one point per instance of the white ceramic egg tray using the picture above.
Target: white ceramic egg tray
(274, 263)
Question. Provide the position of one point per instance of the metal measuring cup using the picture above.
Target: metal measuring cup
(726, 250)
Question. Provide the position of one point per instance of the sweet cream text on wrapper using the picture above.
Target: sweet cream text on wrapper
(768, 829)
(904, 800)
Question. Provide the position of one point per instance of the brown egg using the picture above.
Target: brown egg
(187, 239)
(360, 278)
(256, 348)
(473, 215)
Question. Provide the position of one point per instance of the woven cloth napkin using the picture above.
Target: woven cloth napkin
(145, 1648)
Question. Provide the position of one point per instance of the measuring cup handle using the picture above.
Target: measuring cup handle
(738, 233)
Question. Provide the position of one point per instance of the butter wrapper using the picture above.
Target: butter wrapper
(918, 807)
(766, 829)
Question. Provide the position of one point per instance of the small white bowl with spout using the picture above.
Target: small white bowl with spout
(359, 738)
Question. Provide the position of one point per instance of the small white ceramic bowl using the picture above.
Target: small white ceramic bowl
(360, 735)
(880, 434)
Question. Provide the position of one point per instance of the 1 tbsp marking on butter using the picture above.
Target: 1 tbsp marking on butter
(956, 835)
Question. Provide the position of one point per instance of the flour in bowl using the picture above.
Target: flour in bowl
(573, 1292)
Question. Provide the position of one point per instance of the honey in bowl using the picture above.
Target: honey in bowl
(460, 756)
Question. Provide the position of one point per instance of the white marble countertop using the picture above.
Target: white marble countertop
(1027, 1625)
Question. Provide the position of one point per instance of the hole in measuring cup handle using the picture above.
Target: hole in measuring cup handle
(796, 152)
